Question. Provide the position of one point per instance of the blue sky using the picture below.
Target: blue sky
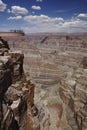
(34, 16)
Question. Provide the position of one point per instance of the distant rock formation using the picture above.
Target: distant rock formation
(12, 33)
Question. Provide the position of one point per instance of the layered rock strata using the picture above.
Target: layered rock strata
(58, 66)
(73, 92)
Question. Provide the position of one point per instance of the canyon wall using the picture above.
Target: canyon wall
(57, 64)
(16, 91)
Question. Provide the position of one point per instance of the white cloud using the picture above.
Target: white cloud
(2, 6)
(39, 0)
(18, 10)
(44, 23)
(42, 19)
(82, 15)
(36, 7)
(75, 25)
(15, 18)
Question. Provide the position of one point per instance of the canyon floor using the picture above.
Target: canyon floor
(57, 65)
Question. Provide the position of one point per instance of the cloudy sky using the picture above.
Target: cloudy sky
(34, 16)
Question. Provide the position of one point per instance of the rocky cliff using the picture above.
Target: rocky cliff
(16, 92)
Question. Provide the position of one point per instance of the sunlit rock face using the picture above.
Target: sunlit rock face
(57, 64)
(16, 91)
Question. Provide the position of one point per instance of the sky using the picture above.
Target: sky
(38, 16)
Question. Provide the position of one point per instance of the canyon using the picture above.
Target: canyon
(47, 82)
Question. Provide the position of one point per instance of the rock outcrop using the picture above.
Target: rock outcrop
(16, 91)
